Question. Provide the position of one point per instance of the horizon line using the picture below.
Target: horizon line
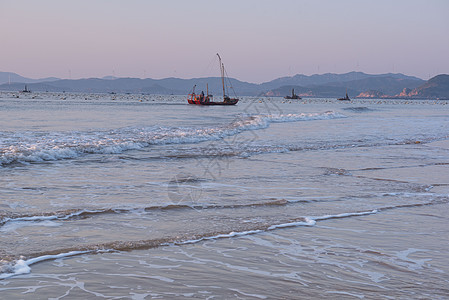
(172, 77)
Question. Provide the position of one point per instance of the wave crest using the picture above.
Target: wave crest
(29, 147)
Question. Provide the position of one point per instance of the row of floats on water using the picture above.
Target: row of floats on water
(174, 98)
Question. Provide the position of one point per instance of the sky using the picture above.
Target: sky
(258, 40)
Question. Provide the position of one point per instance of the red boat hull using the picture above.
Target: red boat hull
(205, 100)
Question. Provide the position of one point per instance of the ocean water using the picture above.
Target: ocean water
(142, 197)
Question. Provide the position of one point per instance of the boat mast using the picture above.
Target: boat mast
(222, 74)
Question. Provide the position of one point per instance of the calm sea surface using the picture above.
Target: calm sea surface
(141, 197)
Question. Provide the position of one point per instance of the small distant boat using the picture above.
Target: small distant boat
(293, 96)
(25, 90)
(207, 99)
(346, 98)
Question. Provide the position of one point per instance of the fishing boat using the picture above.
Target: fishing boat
(26, 90)
(293, 96)
(207, 99)
(346, 98)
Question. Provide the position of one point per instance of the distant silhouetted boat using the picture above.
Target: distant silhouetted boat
(206, 99)
(26, 90)
(346, 98)
(293, 96)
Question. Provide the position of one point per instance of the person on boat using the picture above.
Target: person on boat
(202, 98)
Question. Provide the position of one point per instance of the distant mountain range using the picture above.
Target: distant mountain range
(436, 87)
(387, 84)
(324, 85)
(6, 77)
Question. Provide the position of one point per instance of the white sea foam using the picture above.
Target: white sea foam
(19, 267)
(22, 266)
(219, 236)
(346, 294)
(411, 264)
(47, 218)
(306, 222)
(311, 221)
(344, 215)
(29, 147)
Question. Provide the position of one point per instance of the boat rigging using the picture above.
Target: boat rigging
(293, 96)
(207, 99)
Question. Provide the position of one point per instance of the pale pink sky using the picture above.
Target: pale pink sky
(259, 40)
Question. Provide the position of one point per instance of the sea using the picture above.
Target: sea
(126, 196)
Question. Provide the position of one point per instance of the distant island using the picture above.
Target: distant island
(357, 84)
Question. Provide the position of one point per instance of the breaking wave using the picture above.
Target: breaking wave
(21, 265)
(30, 147)
(88, 213)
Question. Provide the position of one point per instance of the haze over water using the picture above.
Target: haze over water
(135, 196)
